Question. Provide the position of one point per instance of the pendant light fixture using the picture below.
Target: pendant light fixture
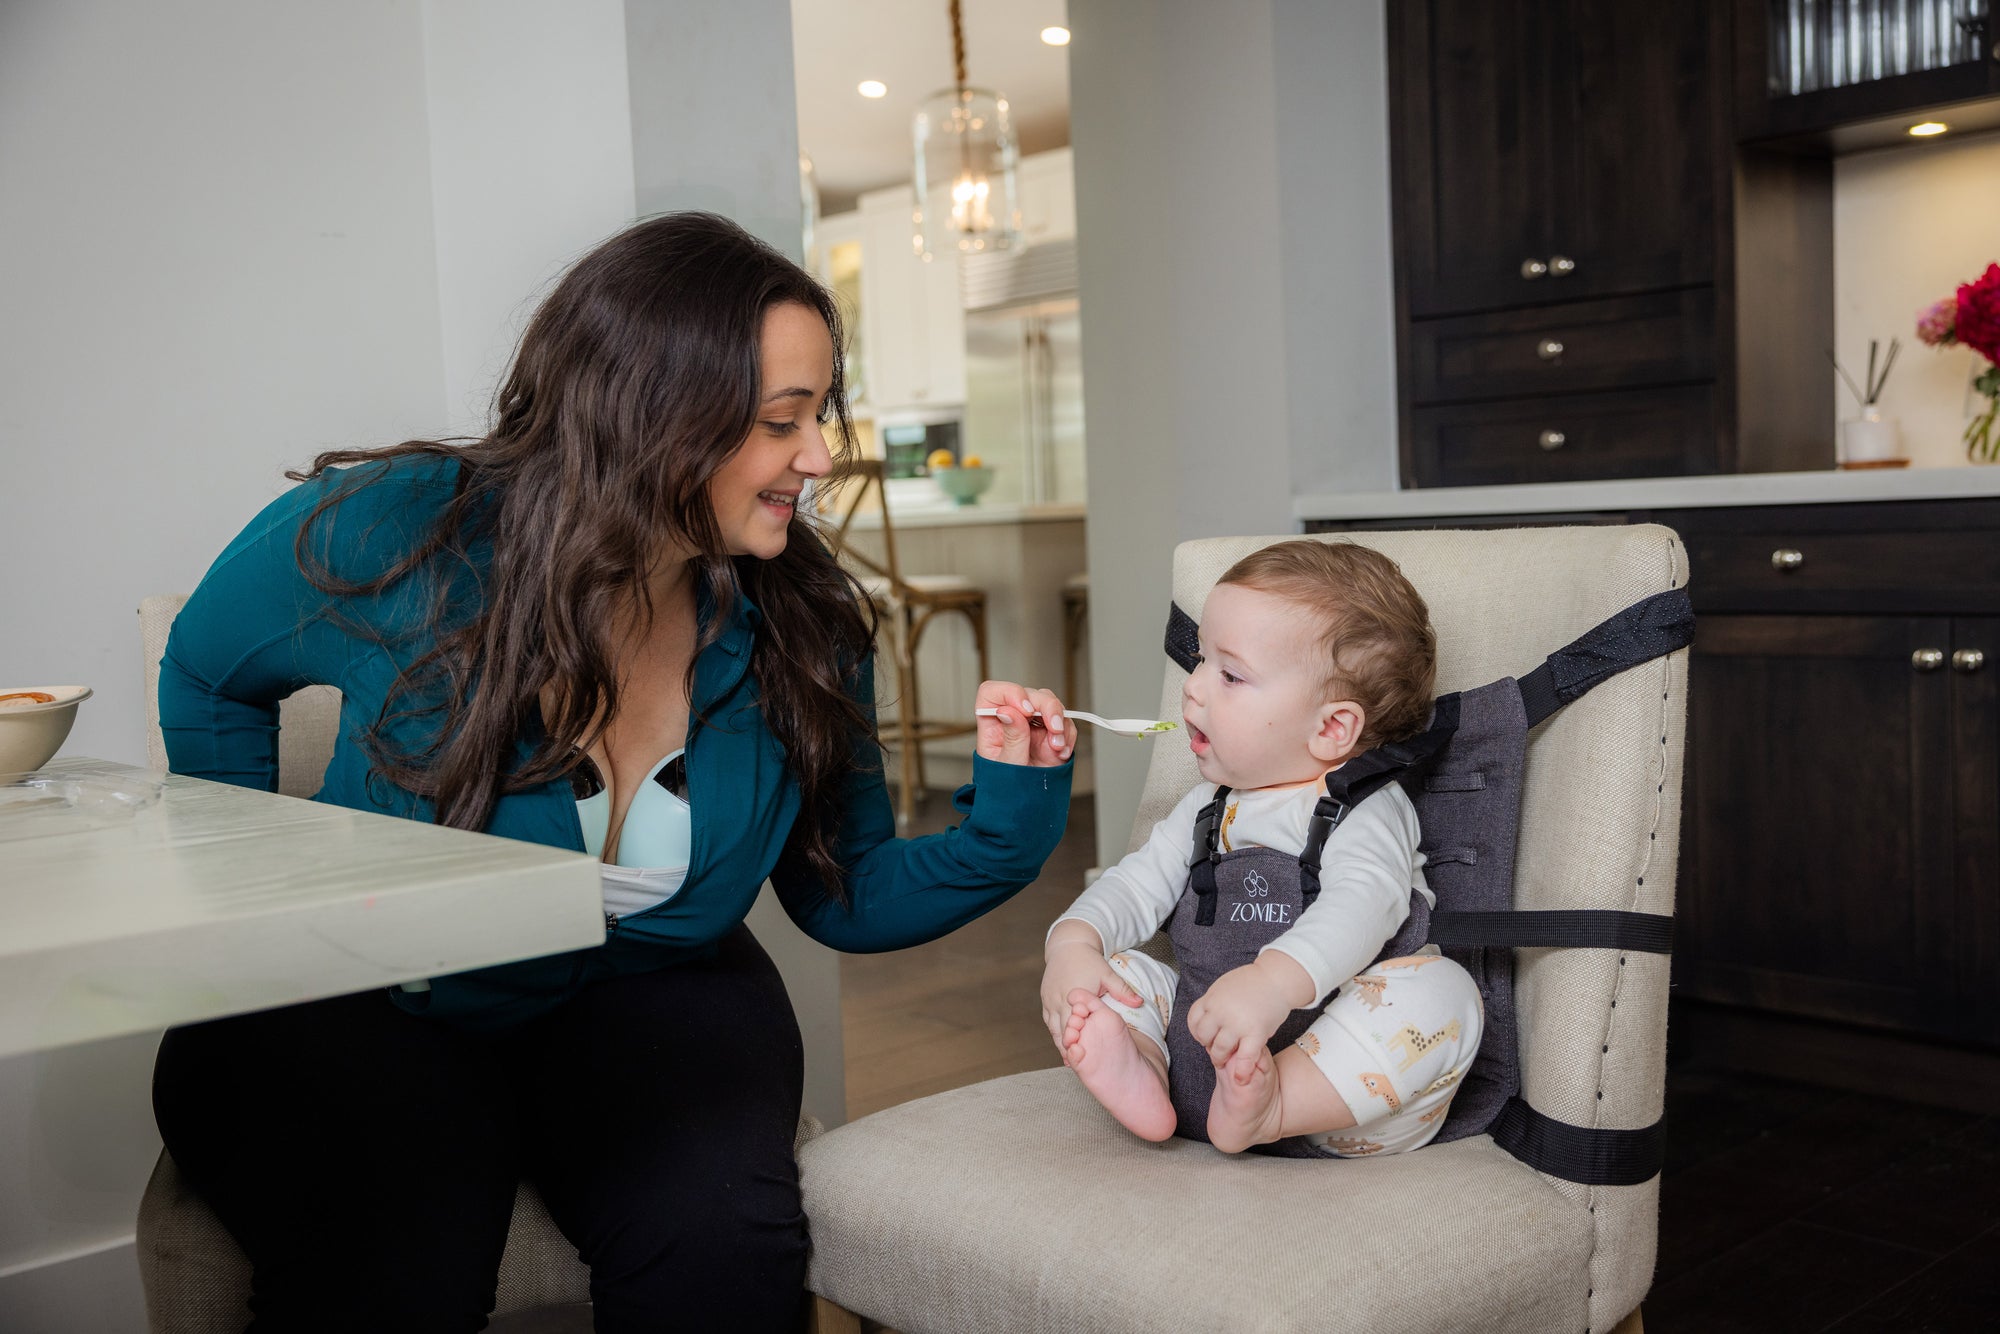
(966, 152)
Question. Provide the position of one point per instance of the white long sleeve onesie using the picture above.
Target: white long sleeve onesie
(1367, 871)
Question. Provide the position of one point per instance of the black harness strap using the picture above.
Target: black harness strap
(1584, 1154)
(1645, 630)
(1183, 639)
(1201, 871)
(1571, 928)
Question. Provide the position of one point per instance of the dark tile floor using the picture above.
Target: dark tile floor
(1785, 1207)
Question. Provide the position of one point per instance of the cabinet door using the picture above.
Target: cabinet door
(1635, 143)
(1469, 139)
(893, 304)
(1975, 764)
(1818, 875)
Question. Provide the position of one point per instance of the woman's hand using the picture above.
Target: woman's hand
(1010, 739)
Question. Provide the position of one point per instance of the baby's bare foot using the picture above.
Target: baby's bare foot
(1106, 1055)
(1245, 1109)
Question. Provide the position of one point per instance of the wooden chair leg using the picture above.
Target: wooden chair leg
(828, 1318)
(906, 716)
(917, 629)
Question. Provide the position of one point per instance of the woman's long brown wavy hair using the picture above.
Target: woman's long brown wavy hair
(635, 381)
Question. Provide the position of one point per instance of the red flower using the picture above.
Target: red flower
(1978, 325)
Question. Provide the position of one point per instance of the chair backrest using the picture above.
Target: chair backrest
(1600, 823)
(868, 475)
(308, 721)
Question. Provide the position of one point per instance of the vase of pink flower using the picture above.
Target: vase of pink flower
(1972, 318)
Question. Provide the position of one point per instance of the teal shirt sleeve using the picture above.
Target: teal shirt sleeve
(256, 630)
(905, 891)
(247, 638)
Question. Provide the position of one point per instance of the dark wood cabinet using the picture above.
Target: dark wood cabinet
(1842, 804)
(1564, 174)
(1636, 141)
(1815, 875)
(1839, 885)
(1470, 115)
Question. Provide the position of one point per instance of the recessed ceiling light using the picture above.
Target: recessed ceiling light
(1056, 36)
(1929, 128)
(873, 88)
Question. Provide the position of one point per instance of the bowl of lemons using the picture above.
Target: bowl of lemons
(963, 480)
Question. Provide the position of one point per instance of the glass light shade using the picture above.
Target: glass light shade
(966, 154)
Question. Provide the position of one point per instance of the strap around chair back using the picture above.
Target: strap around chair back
(1464, 775)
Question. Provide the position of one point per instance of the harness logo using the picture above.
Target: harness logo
(1256, 886)
(1280, 913)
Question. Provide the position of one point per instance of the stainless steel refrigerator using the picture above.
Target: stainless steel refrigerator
(1024, 376)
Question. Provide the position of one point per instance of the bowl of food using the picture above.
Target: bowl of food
(34, 722)
(964, 482)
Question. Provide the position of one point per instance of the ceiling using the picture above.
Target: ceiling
(858, 143)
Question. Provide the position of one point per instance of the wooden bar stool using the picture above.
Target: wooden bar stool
(1076, 610)
(907, 603)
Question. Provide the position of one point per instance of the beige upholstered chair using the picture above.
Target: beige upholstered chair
(907, 603)
(1018, 1206)
(197, 1280)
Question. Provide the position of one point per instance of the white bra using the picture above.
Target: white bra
(654, 842)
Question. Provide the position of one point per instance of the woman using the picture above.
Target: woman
(602, 626)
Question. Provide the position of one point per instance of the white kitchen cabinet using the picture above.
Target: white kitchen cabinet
(912, 322)
(1047, 187)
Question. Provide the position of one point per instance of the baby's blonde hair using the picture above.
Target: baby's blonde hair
(1376, 631)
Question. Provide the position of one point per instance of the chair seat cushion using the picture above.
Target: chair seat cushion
(999, 1208)
(924, 586)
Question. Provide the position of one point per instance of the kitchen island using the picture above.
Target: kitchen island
(1021, 555)
(1839, 901)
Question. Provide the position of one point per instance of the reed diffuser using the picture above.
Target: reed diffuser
(1870, 441)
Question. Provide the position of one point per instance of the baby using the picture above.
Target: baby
(1311, 652)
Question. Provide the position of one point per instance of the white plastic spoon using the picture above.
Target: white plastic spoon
(1122, 726)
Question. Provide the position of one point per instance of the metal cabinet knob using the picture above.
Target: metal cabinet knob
(1967, 660)
(1548, 349)
(1927, 659)
(1561, 266)
(1784, 558)
(1553, 440)
(1533, 268)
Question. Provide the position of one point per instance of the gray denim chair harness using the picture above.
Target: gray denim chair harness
(1464, 774)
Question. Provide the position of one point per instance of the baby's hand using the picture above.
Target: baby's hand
(1243, 1009)
(1077, 964)
(1011, 738)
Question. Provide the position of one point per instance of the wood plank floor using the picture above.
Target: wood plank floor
(962, 1009)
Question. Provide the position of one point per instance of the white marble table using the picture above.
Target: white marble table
(219, 900)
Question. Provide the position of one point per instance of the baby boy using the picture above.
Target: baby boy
(1311, 653)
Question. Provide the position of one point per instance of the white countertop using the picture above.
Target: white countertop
(1732, 489)
(220, 900)
(962, 516)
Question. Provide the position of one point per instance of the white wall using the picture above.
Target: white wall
(1909, 225)
(531, 165)
(233, 234)
(715, 126)
(1232, 232)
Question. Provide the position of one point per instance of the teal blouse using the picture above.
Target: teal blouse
(255, 630)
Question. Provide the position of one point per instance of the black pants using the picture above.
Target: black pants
(366, 1159)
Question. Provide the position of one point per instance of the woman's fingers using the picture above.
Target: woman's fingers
(1015, 735)
(1058, 736)
(1004, 737)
